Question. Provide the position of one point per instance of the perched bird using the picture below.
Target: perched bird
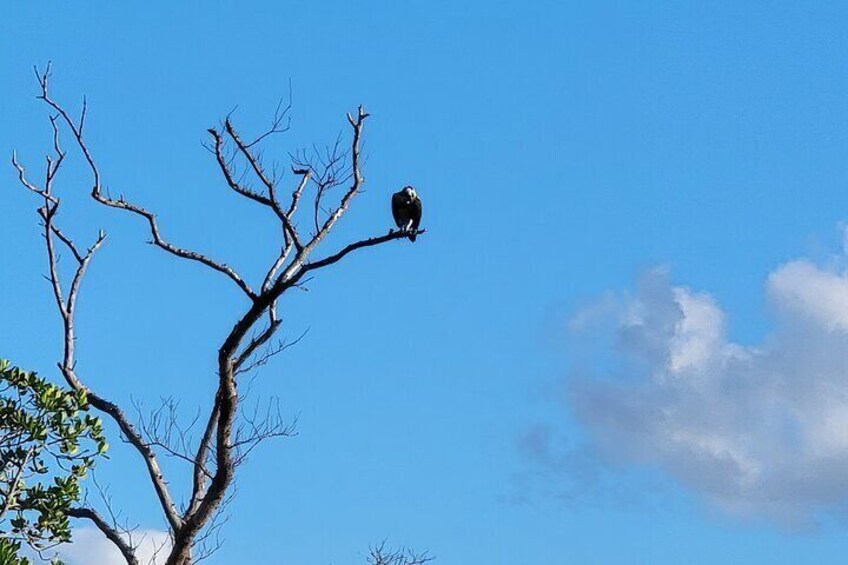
(406, 208)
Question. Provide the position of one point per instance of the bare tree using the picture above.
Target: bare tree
(228, 433)
(382, 555)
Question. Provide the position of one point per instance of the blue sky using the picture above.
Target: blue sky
(674, 173)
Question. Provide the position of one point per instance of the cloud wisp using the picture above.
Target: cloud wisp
(758, 431)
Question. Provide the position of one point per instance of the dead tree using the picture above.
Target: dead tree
(381, 555)
(227, 434)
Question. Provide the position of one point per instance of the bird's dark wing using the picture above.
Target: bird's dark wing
(415, 215)
(398, 208)
(415, 209)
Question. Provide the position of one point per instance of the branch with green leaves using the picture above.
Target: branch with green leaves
(48, 443)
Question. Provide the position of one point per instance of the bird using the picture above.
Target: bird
(406, 209)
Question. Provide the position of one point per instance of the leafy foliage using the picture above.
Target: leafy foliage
(9, 553)
(48, 442)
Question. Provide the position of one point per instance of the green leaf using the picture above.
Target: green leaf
(40, 422)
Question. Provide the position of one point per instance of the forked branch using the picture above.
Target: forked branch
(76, 128)
(67, 305)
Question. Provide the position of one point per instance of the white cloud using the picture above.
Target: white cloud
(810, 293)
(90, 547)
(759, 431)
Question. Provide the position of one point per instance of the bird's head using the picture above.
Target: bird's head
(409, 191)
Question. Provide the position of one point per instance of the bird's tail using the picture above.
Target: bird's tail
(413, 234)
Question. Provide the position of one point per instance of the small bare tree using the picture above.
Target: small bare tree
(228, 434)
(381, 555)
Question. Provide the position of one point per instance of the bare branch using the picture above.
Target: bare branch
(83, 266)
(200, 474)
(285, 250)
(122, 204)
(358, 180)
(114, 516)
(162, 429)
(251, 159)
(271, 200)
(258, 341)
(67, 306)
(272, 272)
(47, 213)
(26, 183)
(328, 168)
(279, 117)
(391, 236)
(134, 438)
(305, 176)
(270, 353)
(380, 555)
(210, 540)
(259, 426)
(111, 533)
(224, 165)
(62, 237)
